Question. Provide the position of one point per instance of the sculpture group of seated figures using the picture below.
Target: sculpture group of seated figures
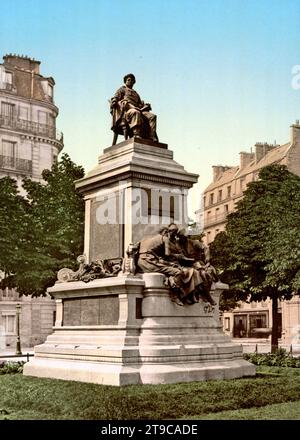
(185, 263)
(131, 117)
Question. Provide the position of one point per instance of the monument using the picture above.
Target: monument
(117, 323)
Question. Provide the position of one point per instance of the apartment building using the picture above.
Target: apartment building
(29, 143)
(219, 199)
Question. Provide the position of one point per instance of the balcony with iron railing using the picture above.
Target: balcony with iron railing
(25, 126)
(16, 164)
(8, 86)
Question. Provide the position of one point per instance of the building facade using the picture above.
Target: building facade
(37, 317)
(219, 200)
(230, 182)
(29, 143)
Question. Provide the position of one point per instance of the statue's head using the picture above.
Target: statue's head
(172, 229)
(129, 75)
(163, 231)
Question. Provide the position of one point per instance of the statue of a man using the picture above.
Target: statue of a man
(130, 111)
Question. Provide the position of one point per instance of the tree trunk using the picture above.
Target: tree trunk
(274, 336)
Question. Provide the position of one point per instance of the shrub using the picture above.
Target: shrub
(7, 367)
(279, 359)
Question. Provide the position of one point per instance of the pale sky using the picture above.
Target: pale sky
(218, 73)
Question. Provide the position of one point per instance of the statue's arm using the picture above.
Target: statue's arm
(206, 253)
(117, 97)
(201, 248)
(167, 246)
(168, 252)
(143, 106)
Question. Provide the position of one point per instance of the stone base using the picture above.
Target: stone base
(112, 374)
(152, 340)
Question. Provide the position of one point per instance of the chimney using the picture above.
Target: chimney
(22, 62)
(218, 170)
(295, 132)
(245, 158)
(261, 149)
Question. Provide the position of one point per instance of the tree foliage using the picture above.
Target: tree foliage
(220, 256)
(259, 253)
(13, 224)
(50, 232)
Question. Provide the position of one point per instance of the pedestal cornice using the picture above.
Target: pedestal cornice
(139, 160)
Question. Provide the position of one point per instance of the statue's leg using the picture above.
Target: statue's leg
(151, 118)
(125, 131)
(134, 120)
(115, 138)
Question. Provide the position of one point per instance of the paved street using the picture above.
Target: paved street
(263, 346)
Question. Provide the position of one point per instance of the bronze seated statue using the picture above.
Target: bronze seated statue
(121, 126)
(131, 116)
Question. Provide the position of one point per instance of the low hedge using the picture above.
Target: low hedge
(8, 367)
(278, 359)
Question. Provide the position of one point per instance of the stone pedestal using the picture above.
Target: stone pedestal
(125, 330)
(136, 188)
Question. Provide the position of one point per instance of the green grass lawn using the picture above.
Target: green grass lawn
(274, 393)
(279, 411)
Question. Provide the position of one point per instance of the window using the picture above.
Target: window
(51, 120)
(211, 198)
(42, 117)
(7, 154)
(160, 207)
(172, 209)
(257, 321)
(9, 323)
(240, 326)
(8, 77)
(7, 110)
(226, 209)
(242, 183)
(3, 292)
(50, 91)
(220, 195)
(8, 148)
(204, 201)
(217, 213)
(7, 293)
(208, 237)
(23, 113)
(227, 324)
(228, 191)
(8, 81)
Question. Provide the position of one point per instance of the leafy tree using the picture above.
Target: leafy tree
(13, 220)
(220, 257)
(52, 236)
(261, 246)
